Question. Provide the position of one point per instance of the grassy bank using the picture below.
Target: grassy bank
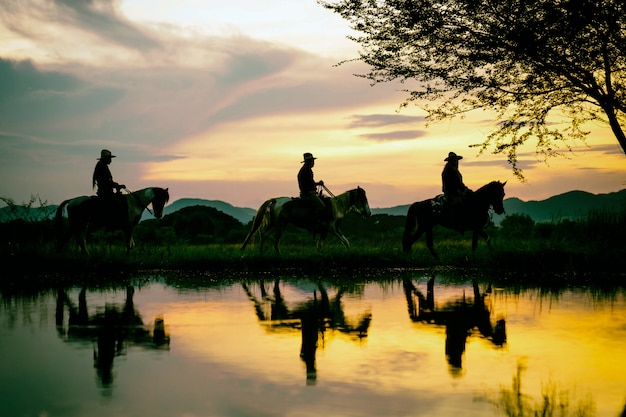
(590, 245)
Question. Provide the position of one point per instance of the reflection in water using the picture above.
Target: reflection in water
(254, 347)
(111, 331)
(459, 317)
(514, 402)
(312, 318)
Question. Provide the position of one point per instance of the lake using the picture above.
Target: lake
(394, 343)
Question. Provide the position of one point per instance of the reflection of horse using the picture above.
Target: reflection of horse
(311, 318)
(85, 211)
(471, 214)
(276, 213)
(110, 331)
(459, 318)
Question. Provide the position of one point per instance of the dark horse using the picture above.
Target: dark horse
(85, 211)
(472, 215)
(276, 213)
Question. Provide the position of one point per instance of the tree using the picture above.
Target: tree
(534, 62)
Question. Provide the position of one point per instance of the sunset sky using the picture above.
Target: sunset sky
(219, 100)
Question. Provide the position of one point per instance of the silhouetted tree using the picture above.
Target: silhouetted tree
(526, 60)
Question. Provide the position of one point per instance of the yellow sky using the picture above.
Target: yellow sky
(220, 100)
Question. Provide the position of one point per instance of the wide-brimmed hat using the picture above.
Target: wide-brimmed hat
(105, 153)
(307, 156)
(453, 156)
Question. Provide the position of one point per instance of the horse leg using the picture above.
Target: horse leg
(82, 240)
(430, 244)
(130, 242)
(482, 234)
(408, 239)
(277, 234)
(341, 237)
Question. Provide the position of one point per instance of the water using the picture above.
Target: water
(413, 345)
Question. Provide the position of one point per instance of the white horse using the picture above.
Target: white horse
(275, 214)
(85, 211)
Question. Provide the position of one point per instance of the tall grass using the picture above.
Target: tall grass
(592, 243)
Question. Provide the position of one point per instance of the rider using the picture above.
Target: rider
(452, 182)
(103, 179)
(307, 185)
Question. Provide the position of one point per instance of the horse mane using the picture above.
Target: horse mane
(489, 186)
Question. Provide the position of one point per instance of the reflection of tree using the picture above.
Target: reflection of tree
(312, 318)
(111, 331)
(514, 402)
(459, 317)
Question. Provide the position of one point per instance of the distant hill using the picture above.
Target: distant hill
(243, 214)
(570, 205)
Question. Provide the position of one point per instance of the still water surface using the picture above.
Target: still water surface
(409, 345)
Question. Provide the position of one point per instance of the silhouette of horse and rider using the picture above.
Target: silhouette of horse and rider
(458, 208)
(109, 208)
(311, 211)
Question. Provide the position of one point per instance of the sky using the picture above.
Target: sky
(219, 100)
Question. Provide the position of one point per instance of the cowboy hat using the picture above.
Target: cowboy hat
(452, 155)
(307, 156)
(105, 153)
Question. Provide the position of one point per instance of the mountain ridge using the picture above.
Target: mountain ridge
(568, 205)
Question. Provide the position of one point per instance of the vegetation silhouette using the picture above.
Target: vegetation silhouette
(203, 237)
(529, 62)
(555, 401)
(472, 214)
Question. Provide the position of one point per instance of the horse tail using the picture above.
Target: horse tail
(58, 221)
(262, 218)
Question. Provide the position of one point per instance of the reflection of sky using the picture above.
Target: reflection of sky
(222, 361)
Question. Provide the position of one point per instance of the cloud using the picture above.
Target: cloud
(377, 120)
(38, 19)
(18, 78)
(395, 135)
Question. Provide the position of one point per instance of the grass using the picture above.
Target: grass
(582, 250)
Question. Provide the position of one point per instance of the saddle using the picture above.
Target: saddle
(443, 204)
(111, 209)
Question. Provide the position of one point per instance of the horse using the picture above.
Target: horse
(275, 214)
(85, 211)
(472, 215)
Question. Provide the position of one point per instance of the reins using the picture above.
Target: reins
(327, 190)
(138, 200)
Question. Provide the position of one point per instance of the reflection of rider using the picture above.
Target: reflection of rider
(307, 184)
(103, 179)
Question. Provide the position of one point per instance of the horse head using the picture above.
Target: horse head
(358, 202)
(497, 196)
(161, 197)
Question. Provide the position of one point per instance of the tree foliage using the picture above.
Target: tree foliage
(546, 67)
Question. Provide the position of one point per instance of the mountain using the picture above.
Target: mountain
(243, 214)
(570, 205)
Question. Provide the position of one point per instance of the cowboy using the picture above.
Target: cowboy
(308, 186)
(452, 181)
(103, 179)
